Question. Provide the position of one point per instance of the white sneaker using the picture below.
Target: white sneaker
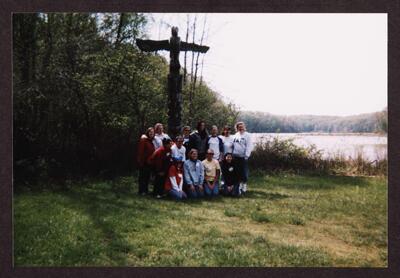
(158, 196)
(244, 187)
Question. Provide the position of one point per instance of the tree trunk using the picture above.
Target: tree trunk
(119, 30)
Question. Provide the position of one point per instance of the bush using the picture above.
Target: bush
(275, 154)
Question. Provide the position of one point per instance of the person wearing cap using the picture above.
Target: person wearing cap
(161, 160)
(145, 150)
(178, 150)
(193, 173)
(174, 181)
(212, 172)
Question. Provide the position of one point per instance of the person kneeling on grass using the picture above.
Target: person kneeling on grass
(230, 176)
(193, 173)
(212, 171)
(174, 181)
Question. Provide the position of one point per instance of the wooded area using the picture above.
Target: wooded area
(83, 94)
(265, 122)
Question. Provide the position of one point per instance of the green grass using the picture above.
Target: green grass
(283, 221)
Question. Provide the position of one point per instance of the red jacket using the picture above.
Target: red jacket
(145, 150)
(161, 159)
(172, 172)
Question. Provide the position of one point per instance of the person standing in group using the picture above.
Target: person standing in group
(242, 148)
(230, 176)
(212, 173)
(215, 143)
(161, 160)
(174, 181)
(193, 172)
(178, 150)
(227, 138)
(198, 140)
(145, 150)
(186, 136)
(159, 135)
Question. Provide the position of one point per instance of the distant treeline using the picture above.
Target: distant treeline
(265, 122)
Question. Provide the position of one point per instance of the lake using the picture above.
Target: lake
(372, 146)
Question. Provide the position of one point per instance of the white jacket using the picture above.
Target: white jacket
(242, 145)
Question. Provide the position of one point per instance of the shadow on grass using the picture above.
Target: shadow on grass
(107, 211)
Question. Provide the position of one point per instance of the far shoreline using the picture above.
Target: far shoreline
(327, 133)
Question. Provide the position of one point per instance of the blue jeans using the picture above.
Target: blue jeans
(209, 192)
(177, 195)
(196, 193)
(243, 166)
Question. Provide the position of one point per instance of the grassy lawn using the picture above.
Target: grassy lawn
(282, 221)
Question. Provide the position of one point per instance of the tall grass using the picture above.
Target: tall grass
(275, 154)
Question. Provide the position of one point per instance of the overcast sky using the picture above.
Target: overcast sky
(288, 64)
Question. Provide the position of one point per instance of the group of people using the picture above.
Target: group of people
(195, 164)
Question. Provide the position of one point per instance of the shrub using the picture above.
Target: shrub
(274, 154)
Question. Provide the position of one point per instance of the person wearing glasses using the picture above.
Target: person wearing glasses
(212, 171)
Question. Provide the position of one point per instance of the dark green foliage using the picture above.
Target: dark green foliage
(83, 94)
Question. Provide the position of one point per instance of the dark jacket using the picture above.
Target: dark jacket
(221, 144)
(230, 173)
(195, 141)
(145, 150)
